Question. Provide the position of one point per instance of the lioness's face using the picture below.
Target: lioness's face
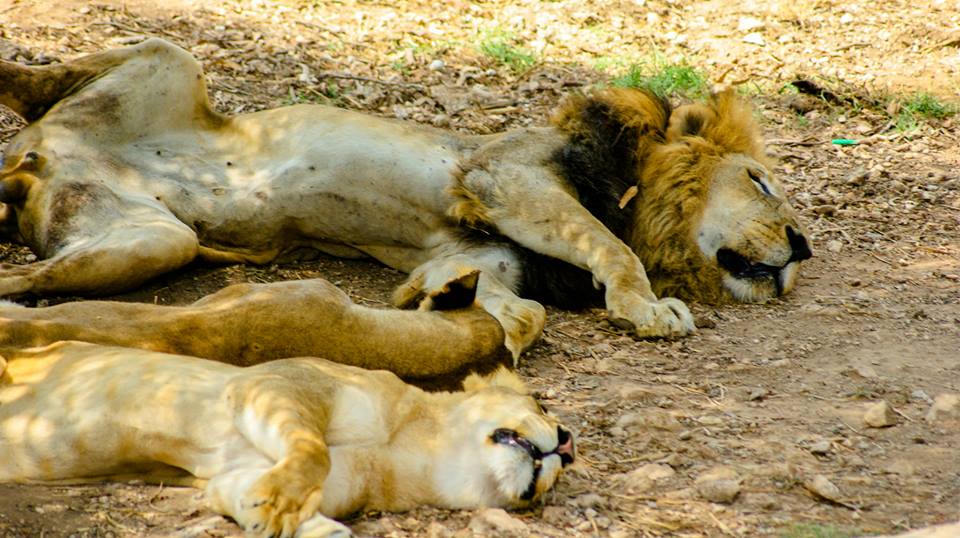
(750, 231)
(521, 448)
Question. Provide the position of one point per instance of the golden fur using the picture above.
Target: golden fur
(109, 194)
(280, 447)
(247, 324)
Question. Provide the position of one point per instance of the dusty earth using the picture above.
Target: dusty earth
(761, 410)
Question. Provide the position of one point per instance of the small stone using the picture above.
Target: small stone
(587, 500)
(834, 245)
(821, 448)
(654, 471)
(823, 488)
(944, 406)
(554, 515)
(754, 38)
(652, 419)
(846, 18)
(496, 522)
(757, 393)
(437, 65)
(437, 530)
(880, 415)
(719, 485)
(901, 467)
(918, 394)
(748, 24)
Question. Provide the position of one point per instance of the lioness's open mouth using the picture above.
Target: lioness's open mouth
(565, 450)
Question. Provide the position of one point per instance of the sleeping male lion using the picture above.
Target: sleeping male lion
(280, 447)
(247, 324)
(125, 173)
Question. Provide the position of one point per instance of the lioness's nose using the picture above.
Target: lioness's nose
(798, 245)
(565, 447)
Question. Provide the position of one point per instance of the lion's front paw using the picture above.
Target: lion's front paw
(267, 509)
(646, 318)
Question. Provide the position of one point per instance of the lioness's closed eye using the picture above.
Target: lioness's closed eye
(285, 445)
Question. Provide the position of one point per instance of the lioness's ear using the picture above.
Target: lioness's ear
(688, 120)
(502, 377)
(458, 293)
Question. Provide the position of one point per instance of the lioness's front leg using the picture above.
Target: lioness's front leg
(539, 214)
(275, 500)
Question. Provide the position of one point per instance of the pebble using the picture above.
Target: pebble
(918, 394)
(654, 471)
(834, 245)
(437, 530)
(719, 485)
(437, 65)
(823, 488)
(944, 406)
(880, 415)
(497, 523)
(821, 448)
(587, 500)
(554, 515)
(651, 418)
(754, 38)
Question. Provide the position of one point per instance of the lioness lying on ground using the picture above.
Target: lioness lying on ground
(278, 444)
(125, 173)
(247, 324)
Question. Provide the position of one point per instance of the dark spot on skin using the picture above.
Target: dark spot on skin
(262, 195)
(312, 168)
(159, 153)
(502, 266)
(229, 163)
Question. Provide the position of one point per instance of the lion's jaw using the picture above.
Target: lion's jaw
(484, 466)
(749, 232)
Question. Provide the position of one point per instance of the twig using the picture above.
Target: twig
(371, 80)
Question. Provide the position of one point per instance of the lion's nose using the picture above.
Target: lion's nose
(565, 447)
(798, 245)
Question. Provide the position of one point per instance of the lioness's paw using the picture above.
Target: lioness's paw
(267, 511)
(664, 317)
(323, 527)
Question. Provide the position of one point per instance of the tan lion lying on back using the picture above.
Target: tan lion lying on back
(125, 172)
(245, 324)
(280, 447)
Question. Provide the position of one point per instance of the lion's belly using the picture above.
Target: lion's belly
(300, 175)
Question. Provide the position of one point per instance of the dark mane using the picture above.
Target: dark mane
(600, 160)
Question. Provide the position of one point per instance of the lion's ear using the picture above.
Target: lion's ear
(688, 120)
(17, 178)
(502, 377)
(458, 293)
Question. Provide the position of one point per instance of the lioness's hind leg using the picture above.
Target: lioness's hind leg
(522, 319)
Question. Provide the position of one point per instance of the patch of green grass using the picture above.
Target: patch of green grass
(325, 93)
(815, 530)
(919, 107)
(505, 49)
(665, 79)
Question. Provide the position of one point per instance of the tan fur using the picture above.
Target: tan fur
(281, 447)
(247, 324)
(125, 194)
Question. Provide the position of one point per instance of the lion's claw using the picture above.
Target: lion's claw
(665, 317)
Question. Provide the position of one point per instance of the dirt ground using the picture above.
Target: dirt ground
(765, 402)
